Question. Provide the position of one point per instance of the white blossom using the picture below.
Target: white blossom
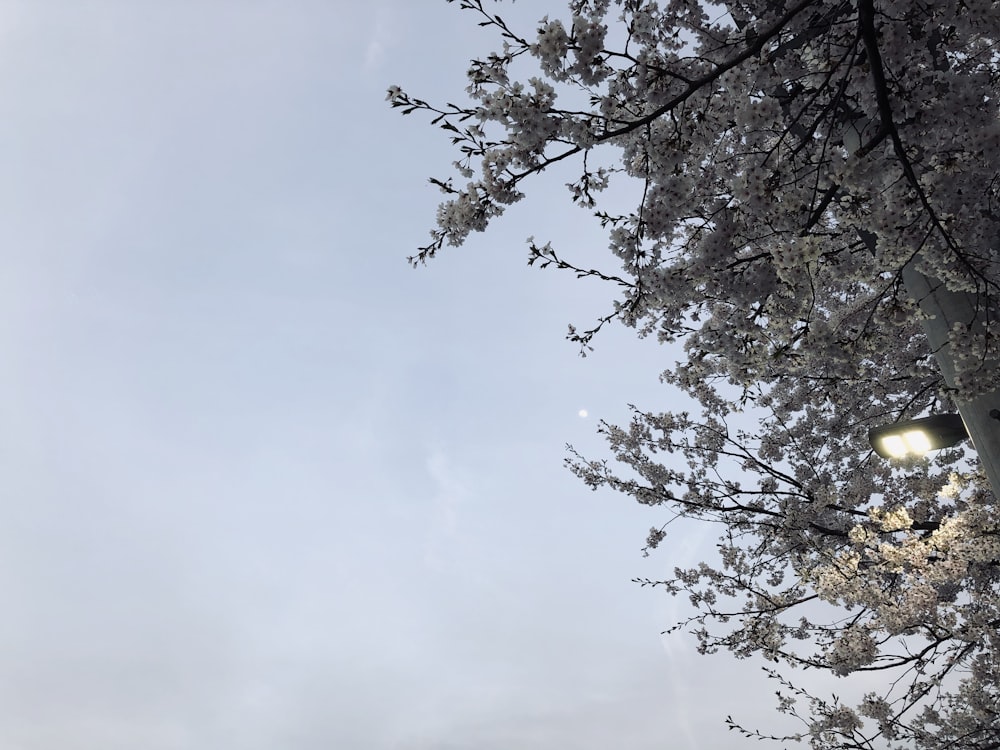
(792, 157)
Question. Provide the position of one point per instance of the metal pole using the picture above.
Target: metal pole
(944, 308)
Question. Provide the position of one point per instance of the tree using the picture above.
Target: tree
(796, 159)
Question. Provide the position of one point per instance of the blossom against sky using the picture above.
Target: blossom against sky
(265, 486)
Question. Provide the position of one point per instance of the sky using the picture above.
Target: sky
(263, 485)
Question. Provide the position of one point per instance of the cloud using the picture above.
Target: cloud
(450, 491)
(382, 37)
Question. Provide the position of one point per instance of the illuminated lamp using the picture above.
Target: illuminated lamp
(918, 436)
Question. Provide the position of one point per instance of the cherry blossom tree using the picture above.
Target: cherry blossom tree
(795, 158)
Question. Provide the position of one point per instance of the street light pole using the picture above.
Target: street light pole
(942, 309)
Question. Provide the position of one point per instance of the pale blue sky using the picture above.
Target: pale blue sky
(263, 485)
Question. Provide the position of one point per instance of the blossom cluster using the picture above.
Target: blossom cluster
(799, 165)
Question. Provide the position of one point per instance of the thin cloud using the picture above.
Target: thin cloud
(382, 36)
(450, 492)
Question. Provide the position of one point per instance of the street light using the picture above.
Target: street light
(918, 436)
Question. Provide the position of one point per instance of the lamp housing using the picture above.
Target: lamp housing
(918, 436)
